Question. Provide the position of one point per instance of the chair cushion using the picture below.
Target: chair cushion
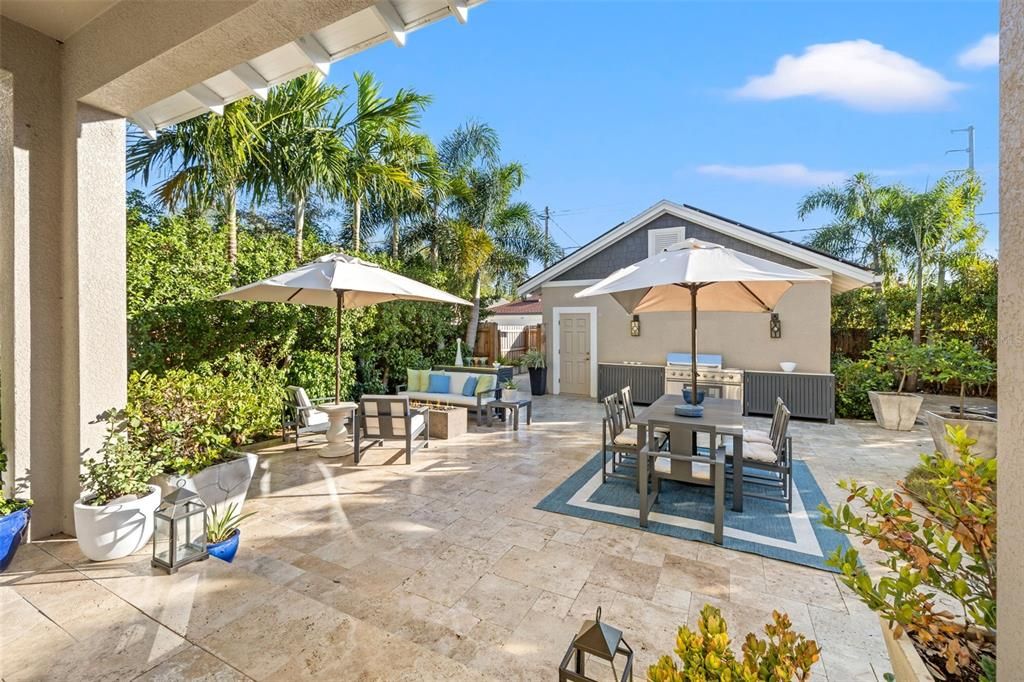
(701, 470)
(301, 399)
(485, 383)
(759, 452)
(469, 387)
(448, 398)
(663, 465)
(416, 423)
(756, 436)
(439, 383)
(627, 437)
(315, 417)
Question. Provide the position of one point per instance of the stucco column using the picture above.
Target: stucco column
(1011, 343)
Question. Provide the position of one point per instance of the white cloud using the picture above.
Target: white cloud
(777, 174)
(859, 73)
(983, 53)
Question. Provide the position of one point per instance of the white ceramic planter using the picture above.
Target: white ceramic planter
(895, 411)
(510, 396)
(116, 529)
(907, 664)
(220, 485)
(979, 428)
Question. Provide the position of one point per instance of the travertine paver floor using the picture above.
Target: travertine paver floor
(438, 570)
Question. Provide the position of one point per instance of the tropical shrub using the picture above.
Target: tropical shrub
(900, 358)
(9, 505)
(222, 525)
(948, 547)
(958, 360)
(123, 468)
(534, 359)
(706, 654)
(854, 378)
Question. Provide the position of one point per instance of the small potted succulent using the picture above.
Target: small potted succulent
(223, 533)
(14, 517)
(960, 361)
(947, 546)
(509, 390)
(536, 363)
(114, 516)
(900, 358)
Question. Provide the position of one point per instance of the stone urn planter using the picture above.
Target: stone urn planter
(114, 530)
(907, 664)
(220, 485)
(447, 422)
(980, 428)
(895, 411)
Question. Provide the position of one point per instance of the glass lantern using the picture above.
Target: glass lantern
(601, 641)
(179, 530)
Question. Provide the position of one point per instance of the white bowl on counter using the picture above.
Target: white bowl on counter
(787, 366)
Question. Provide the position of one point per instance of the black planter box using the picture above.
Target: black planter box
(538, 380)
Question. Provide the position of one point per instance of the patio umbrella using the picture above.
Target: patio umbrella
(340, 281)
(727, 280)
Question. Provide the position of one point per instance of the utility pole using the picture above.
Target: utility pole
(970, 145)
(547, 216)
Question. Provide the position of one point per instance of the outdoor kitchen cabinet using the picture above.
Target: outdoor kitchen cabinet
(808, 396)
(647, 381)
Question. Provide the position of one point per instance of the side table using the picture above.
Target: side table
(513, 406)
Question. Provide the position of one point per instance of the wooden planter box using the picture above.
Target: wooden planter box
(907, 665)
(447, 423)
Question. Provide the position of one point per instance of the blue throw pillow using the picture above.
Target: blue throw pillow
(469, 388)
(439, 383)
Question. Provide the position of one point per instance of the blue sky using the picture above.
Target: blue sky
(612, 106)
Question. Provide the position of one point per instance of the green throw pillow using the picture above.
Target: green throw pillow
(486, 383)
(412, 380)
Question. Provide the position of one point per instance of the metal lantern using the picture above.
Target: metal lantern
(775, 326)
(600, 640)
(179, 530)
(634, 326)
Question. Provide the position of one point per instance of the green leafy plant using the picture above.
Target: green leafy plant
(956, 359)
(854, 378)
(898, 356)
(122, 468)
(510, 384)
(221, 526)
(948, 547)
(706, 654)
(534, 359)
(9, 505)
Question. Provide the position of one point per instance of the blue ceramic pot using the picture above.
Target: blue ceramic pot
(12, 533)
(686, 396)
(225, 550)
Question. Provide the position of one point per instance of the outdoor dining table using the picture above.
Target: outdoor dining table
(724, 414)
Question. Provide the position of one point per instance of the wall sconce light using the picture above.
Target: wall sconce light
(775, 326)
(634, 326)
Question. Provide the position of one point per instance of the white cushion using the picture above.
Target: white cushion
(315, 417)
(416, 422)
(458, 380)
(447, 398)
(759, 452)
(301, 399)
(701, 470)
(756, 436)
(663, 465)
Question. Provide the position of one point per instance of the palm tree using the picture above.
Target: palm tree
(863, 223)
(303, 152)
(416, 156)
(367, 164)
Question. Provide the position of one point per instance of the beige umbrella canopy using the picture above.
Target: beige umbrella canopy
(727, 281)
(340, 281)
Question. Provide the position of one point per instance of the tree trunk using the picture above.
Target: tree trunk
(299, 204)
(357, 225)
(919, 301)
(474, 316)
(940, 284)
(394, 237)
(231, 209)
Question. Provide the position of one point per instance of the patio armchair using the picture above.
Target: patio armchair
(771, 463)
(388, 417)
(299, 414)
(685, 462)
(620, 440)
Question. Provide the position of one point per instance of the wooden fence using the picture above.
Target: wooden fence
(508, 342)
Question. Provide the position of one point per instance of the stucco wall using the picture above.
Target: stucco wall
(741, 338)
(1011, 341)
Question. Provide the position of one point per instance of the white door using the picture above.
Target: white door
(574, 353)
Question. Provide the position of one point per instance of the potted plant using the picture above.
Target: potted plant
(14, 517)
(900, 358)
(114, 516)
(948, 547)
(223, 533)
(961, 361)
(509, 390)
(707, 655)
(536, 363)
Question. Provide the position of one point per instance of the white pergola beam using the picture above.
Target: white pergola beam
(145, 123)
(207, 97)
(392, 20)
(315, 53)
(255, 83)
(459, 9)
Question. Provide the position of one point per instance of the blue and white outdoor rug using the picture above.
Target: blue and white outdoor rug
(686, 511)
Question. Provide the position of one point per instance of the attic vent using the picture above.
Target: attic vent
(661, 239)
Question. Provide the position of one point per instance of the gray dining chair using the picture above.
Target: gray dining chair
(770, 465)
(389, 417)
(684, 462)
(620, 441)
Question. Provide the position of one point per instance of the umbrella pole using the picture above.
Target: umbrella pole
(337, 349)
(693, 343)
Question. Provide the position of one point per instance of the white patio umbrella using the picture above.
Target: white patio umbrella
(728, 281)
(340, 281)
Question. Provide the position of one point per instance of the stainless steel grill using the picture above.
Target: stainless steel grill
(715, 381)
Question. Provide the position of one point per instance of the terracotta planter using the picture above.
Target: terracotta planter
(981, 429)
(895, 411)
(907, 664)
(446, 424)
(220, 485)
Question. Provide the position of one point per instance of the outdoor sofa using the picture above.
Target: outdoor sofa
(456, 394)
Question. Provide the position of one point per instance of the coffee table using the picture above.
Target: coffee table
(513, 406)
